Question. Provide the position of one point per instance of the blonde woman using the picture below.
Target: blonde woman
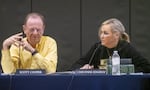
(112, 37)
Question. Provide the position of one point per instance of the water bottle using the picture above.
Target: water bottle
(115, 63)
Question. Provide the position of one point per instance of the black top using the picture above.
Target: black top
(125, 50)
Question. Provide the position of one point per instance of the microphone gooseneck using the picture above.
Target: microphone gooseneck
(93, 54)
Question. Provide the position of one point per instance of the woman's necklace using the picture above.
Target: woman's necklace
(109, 55)
(110, 52)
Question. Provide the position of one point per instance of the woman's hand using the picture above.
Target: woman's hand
(87, 66)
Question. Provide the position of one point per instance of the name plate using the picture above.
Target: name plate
(91, 71)
(30, 71)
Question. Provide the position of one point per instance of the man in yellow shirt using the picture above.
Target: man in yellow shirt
(35, 51)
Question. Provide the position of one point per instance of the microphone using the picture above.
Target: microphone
(19, 62)
(93, 54)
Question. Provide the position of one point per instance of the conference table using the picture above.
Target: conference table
(75, 81)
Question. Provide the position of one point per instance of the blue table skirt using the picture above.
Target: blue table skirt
(74, 82)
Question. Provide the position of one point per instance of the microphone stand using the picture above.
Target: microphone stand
(93, 54)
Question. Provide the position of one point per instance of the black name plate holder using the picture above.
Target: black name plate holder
(30, 71)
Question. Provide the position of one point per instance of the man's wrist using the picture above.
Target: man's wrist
(34, 52)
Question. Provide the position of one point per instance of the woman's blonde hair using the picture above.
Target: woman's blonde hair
(116, 25)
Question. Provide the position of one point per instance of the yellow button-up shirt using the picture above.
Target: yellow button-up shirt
(19, 58)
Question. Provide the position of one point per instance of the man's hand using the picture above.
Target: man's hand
(14, 39)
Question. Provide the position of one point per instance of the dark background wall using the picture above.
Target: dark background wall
(74, 23)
